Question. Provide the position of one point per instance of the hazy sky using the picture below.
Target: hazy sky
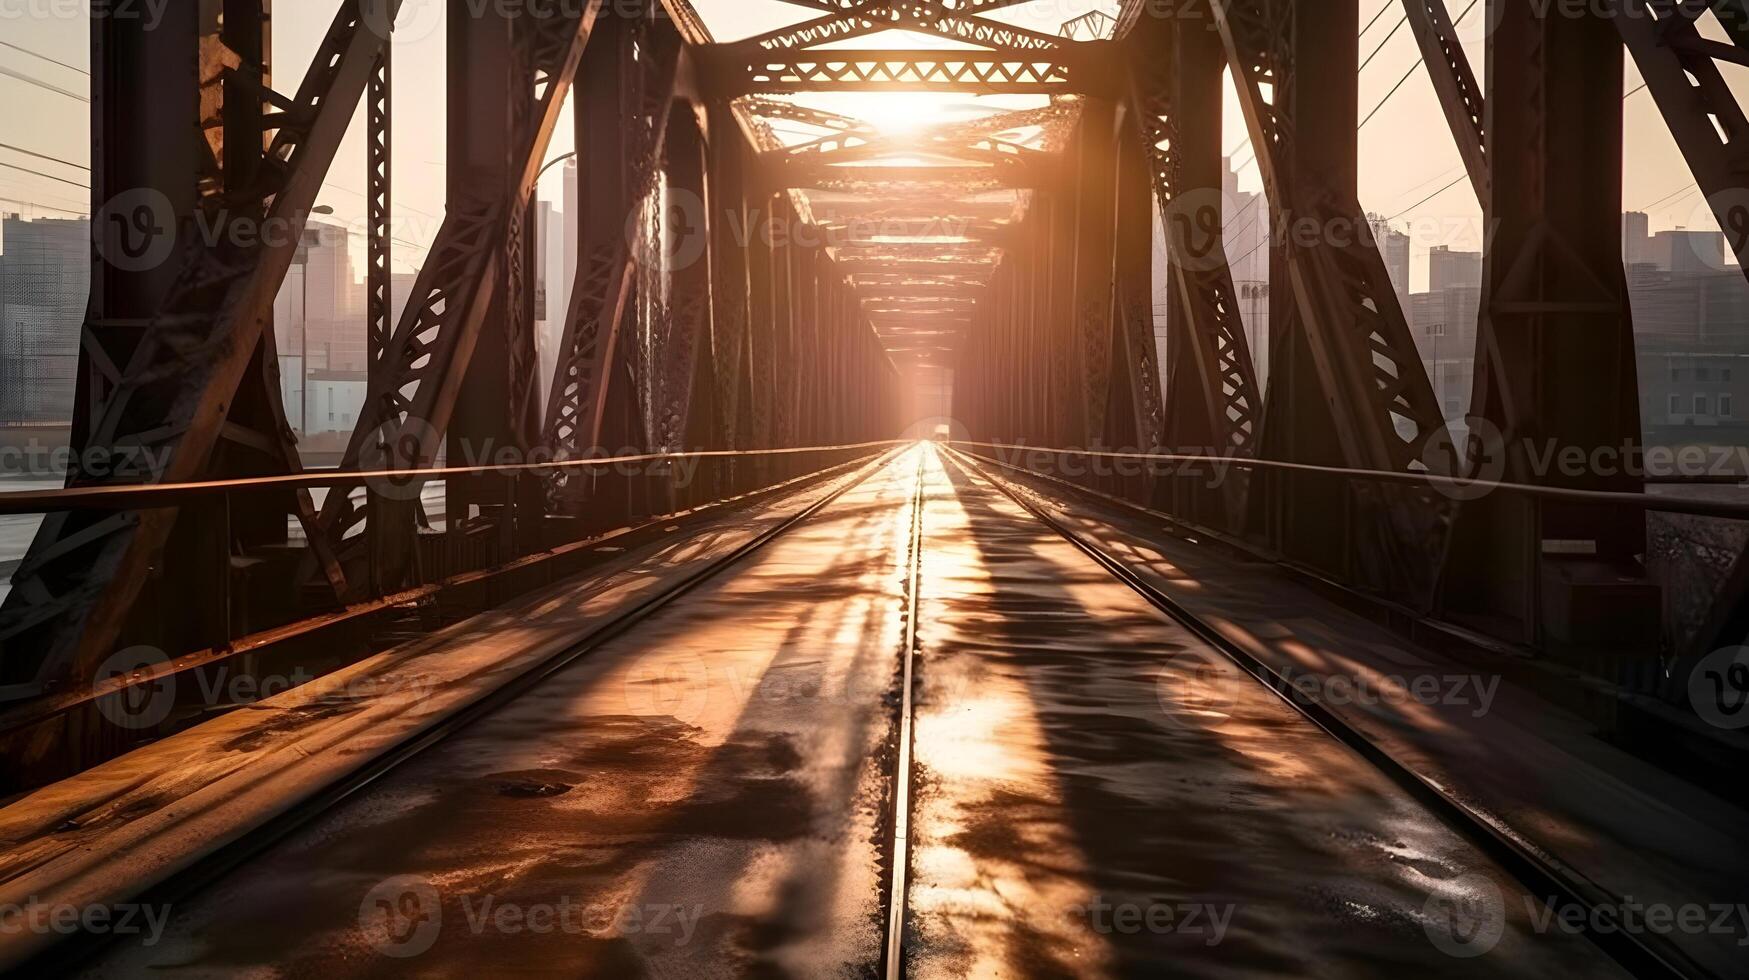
(1406, 151)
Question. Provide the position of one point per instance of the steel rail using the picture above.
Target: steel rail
(149, 495)
(1433, 481)
(1543, 875)
(65, 954)
(894, 954)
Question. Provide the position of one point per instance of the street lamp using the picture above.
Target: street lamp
(550, 164)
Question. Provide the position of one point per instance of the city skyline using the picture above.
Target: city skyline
(1407, 154)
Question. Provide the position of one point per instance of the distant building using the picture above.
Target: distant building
(45, 275)
(551, 291)
(1636, 239)
(319, 322)
(1447, 269)
(336, 398)
(1689, 253)
(1692, 339)
(1444, 323)
(1394, 247)
(1248, 254)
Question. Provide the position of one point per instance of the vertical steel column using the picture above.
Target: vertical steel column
(379, 194)
(486, 105)
(764, 225)
(1139, 423)
(1347, 384)
(786, 383)
(624, 101)
(396, 531)
(1555, 372)
(1320, 96)
(729, 289)
(688, 346)
(1095, 236)
(1214, 402)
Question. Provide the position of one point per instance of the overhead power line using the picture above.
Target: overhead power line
(38, 173)
(39, 83)
(44, 156)
(44, 57)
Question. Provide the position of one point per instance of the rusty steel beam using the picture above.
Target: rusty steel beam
(1138, 419)
(1347, 384)
(1094, 263)
(1686, 73)
(1555, 359)
(630, 77)
(379, 193)
(73, 596)
(1460, 97)
(1082, 70)
(413, 392)
(1215, 403)
(883, 180)
(959, 22)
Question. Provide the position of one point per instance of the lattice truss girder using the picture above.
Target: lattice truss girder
(1082, 67)
(1192, 220)
(1681, 64)
(413, 390)
(959, 21)
(73, 593)
(641, 97)
(1358, 337)
(1454, 81)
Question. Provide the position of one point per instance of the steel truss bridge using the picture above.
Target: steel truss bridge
(761, 282)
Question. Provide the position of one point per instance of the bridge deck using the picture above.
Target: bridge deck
(1095, 791)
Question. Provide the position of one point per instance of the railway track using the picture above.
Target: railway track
(1541, 874)
(904, 738)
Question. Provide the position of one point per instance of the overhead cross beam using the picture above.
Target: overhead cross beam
(955, 21)
(1084, 69)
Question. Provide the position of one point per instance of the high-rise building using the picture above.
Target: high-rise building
(319, 323)
(550, 290)
(1636, 238)
(1447, 269)
(1689, 253)
(1394, 248)
(1248, 253)
(45, 274)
